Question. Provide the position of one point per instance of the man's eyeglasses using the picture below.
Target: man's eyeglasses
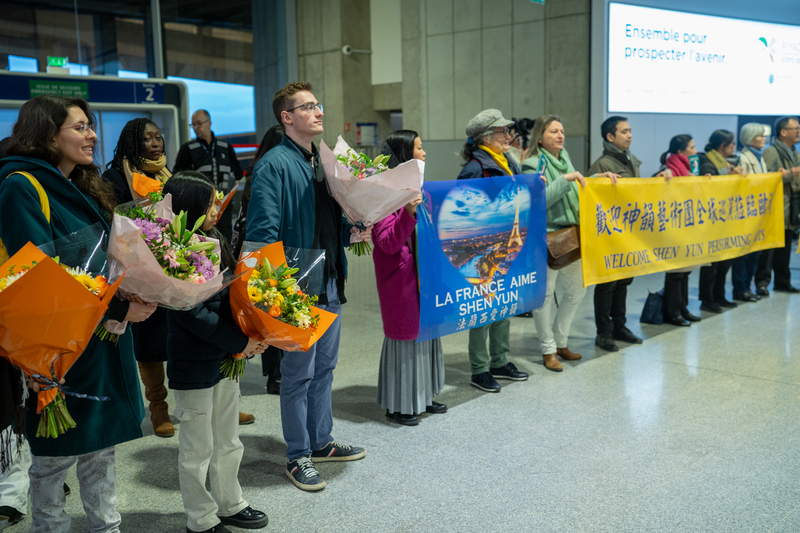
(197, 124)
(308, 107)
(83, 128)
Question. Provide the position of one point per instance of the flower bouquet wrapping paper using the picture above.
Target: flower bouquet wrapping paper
(48, 314)
(268, 306)
(166, 262)
(368, 192)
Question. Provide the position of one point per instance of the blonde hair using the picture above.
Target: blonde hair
(539, 128)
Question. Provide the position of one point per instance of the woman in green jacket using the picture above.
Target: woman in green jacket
(561, 191)
(54, 140)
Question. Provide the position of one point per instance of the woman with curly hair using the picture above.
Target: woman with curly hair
(140, 149)
(54, 141)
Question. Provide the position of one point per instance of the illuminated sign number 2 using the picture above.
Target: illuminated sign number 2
(149, 97)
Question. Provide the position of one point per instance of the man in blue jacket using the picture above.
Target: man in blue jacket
(290, 202)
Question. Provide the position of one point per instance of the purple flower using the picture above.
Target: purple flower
(202, 264)
(151, 232)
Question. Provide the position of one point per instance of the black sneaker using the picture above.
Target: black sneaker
(436, 408)
(727, 303)
(605, 342)
(485, 382)
(625, 335)
(12, 515)
(509, 371)
(303, 474)
(334, 451)
(247, 518)
(762, 291)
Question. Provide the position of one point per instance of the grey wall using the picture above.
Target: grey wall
(652, 132)
(462, 56)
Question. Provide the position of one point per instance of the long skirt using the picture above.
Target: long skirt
(410, 375)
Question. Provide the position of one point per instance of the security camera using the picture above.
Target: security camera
(347, 49)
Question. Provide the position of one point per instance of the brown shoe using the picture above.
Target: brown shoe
(566, 355)
(245, 419)
(156, 393)
(551, 362)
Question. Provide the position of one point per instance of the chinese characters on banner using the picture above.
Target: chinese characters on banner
(482, 252)
(642, 226)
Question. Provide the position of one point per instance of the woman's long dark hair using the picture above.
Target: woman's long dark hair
(130, 145)
(194, 193)
(39, 121)
(719, 139)
(677, 143)
(399, 146)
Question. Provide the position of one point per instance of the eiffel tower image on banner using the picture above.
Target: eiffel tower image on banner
(515, 241)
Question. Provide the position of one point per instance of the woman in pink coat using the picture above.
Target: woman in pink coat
(410, 374)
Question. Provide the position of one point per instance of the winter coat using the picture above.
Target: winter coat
(283, 204)
(396, 275)
(483, 163)
(791, 185)
(199, 340)
(750, 163)
(104, 368)
(618, 163)
(222, 168)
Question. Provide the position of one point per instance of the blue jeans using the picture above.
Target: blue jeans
(743, 271)
(307, 378)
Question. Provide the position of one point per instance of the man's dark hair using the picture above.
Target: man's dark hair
(284, 98)
(609, 125)
(782, 124)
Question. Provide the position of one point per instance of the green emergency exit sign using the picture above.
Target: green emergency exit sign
(53, 61)
(71, 89)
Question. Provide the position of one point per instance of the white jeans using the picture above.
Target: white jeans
(97, 476)
(553, 325)
(14, 482)
(209, 444)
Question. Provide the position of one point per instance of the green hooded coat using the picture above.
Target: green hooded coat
(103, 369)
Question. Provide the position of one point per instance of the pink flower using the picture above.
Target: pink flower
(197, 279)
(172, 257)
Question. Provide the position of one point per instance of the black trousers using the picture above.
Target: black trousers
(676, 294)
(776, 259)
(609, 305)
(271, 363)
(712, 281)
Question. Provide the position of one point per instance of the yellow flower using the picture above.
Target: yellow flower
(88, 282)
(254, 294)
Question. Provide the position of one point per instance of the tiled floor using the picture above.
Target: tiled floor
(696, 430)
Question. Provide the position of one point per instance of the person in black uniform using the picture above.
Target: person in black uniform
(213, 157)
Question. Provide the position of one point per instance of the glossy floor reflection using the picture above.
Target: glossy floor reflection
(695, 430)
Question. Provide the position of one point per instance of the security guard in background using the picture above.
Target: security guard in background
(213, 157)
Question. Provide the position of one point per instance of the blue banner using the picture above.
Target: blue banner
(482, 252)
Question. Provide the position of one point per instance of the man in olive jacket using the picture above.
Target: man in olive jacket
(609, 298)
(290, 202)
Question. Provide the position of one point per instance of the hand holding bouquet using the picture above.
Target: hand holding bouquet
(48, 314)
(167, 261)
(268, 304)
(367, 190)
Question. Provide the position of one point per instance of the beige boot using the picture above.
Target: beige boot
(156, 393)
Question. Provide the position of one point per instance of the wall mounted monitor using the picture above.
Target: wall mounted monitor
(662, 61)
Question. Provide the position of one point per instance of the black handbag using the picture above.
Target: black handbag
(653, 312)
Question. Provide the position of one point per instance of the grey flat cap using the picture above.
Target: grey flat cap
(486, 120)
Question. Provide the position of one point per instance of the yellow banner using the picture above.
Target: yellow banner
(646, 225)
